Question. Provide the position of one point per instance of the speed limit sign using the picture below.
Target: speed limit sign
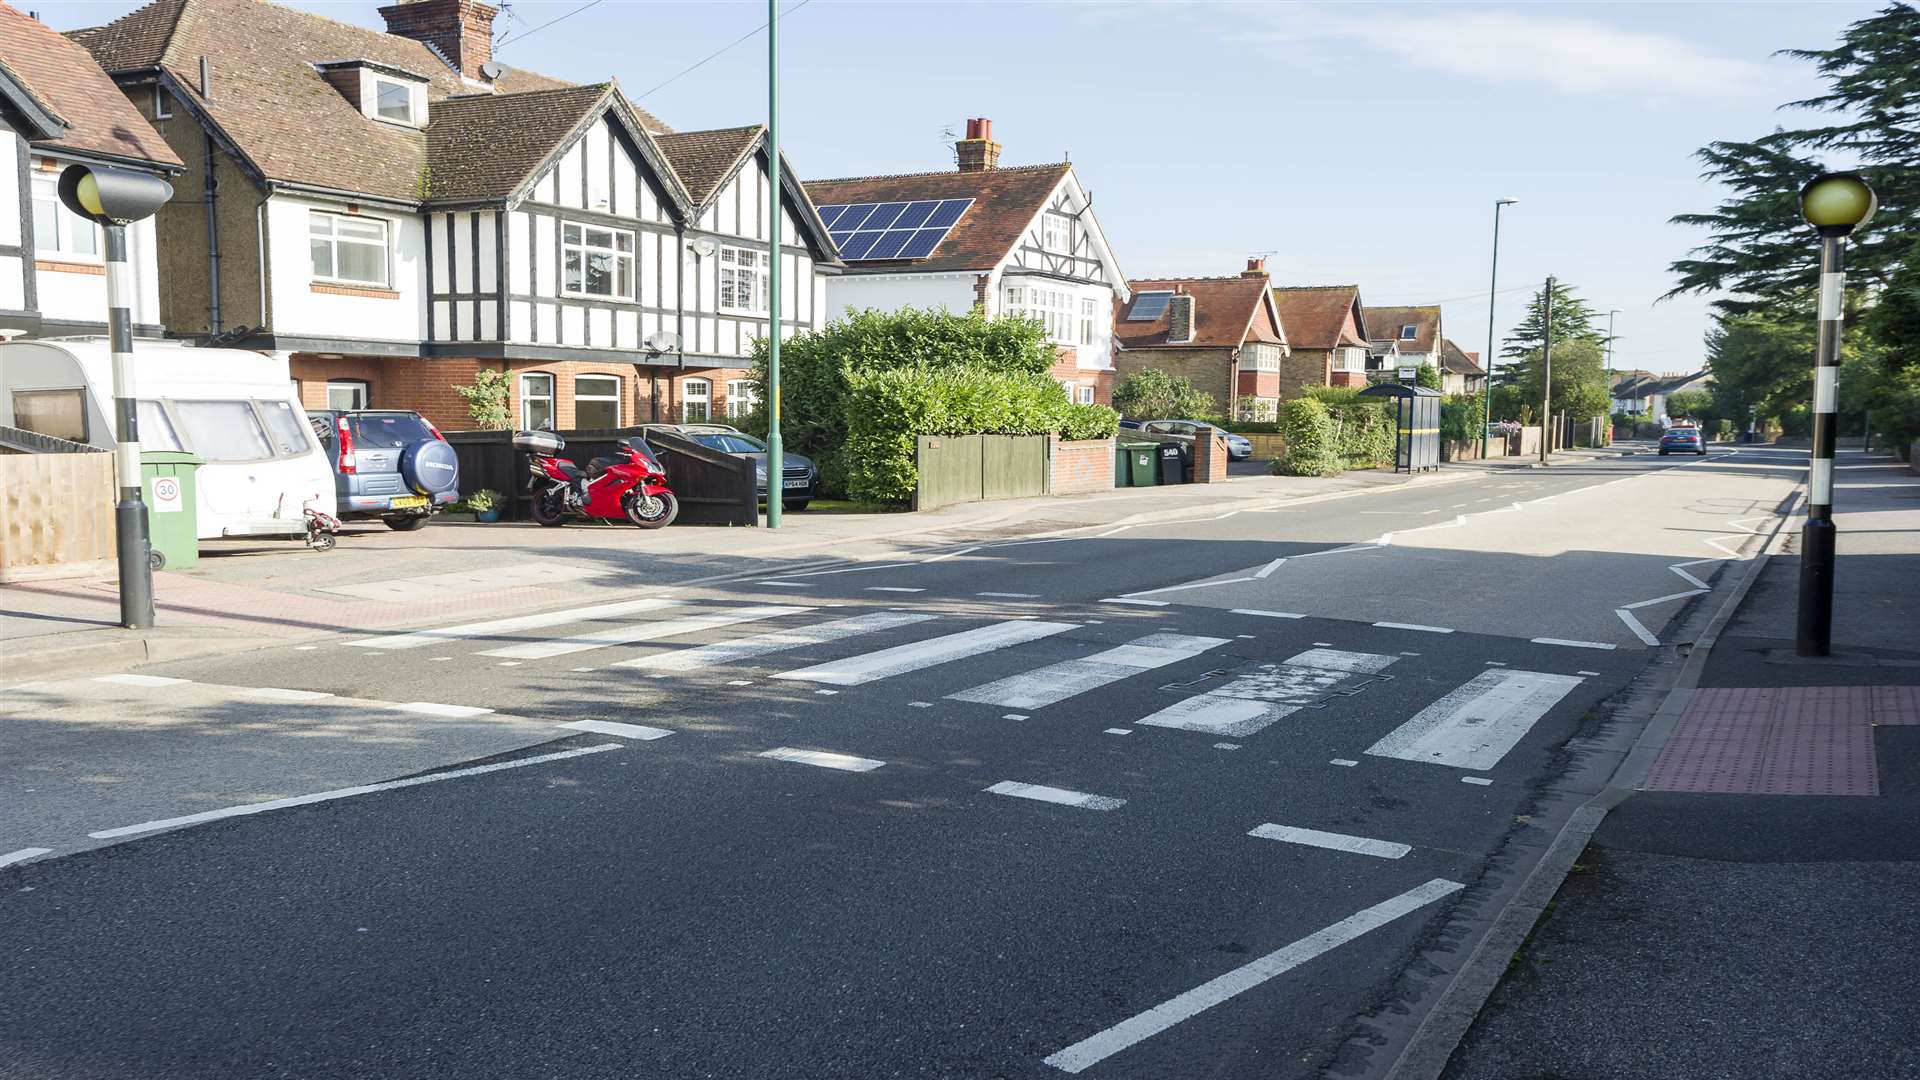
(166, 495)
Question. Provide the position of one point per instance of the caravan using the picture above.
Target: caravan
(235, 408)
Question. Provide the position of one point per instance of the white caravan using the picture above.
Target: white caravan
(235, 408)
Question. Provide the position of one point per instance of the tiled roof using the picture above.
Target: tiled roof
(705, 159)
(1315, 316)
(1385, 323)
(487, 146)
(64, 81)
(1457, 360)
(273, 105)
(1005, 203)
(1223, 313)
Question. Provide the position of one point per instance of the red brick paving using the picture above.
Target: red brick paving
(1813, 740)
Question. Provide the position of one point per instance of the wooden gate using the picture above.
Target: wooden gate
(969, 468)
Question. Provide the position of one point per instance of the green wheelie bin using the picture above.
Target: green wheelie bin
(173, 520)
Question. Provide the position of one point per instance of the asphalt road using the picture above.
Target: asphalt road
(1006, 810)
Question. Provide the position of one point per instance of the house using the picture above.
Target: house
(1223, 334)
(1008, 240)
(1403, 337)
(1326, 335)
(397, 211)
(1639, 391)
(57, 108)
(1460, 371)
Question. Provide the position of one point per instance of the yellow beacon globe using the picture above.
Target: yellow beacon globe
(87, 193)
(1837, 201)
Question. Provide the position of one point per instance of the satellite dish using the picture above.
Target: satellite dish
(491, 71)
(663, 341)
(704, 247)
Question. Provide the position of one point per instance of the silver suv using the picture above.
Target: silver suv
(388, 464)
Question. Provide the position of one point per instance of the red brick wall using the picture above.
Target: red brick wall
(1077, 468)
(426, 385)
(1347, 378)
(1209, 459)
(1066, 368)
(1264, 384)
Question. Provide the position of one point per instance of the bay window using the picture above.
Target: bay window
(1052, 308)
(1349, 359)
(1260, 356)
(596, 262)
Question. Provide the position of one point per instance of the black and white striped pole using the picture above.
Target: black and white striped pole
(1835, 204)
(111, 199)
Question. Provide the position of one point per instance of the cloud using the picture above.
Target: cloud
(1569, 54)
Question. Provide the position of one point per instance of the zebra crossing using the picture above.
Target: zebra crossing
(1182, 681)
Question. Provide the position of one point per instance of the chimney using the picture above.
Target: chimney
(1180, 318)
(1256, 266)
(461, 31)
(978, 152)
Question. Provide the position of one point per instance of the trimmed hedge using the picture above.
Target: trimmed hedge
(1324, 439)
(1308, 428)
(889, 410)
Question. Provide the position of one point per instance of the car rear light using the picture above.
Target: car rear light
(435, 430)
(348, 463)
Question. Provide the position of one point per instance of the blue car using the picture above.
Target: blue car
(1678, 440)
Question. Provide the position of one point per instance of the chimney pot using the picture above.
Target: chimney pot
(977, 152)
(461, 30)
(1256, 266)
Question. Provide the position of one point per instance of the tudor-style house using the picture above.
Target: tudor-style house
(1460, 370)
(1403, 337)
(1009, 240)
(397, 211)
(57, 108)
(1223, 334)
(1326, 335)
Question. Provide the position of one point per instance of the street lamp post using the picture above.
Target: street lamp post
(112, 199)
(1493, 287)
(776, 450)
(1608, 380)
(1546, 377)
(1835, 204)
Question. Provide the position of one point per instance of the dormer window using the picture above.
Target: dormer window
(1409, 332)
(381, 92)
(393, 100)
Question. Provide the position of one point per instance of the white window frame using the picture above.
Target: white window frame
(1056, 233)
(528, 382)
(1261, 356)
(614, 396)
(44, 188)
(332, 236)
(704, 398)
(1053, 308)
(743, 268)
(741, 399)
(611, 249)
(1088, 312)
(1409, 331)
(380, 81)
(359, 388)
(1086, 395)
(162, 103)
(1350, 358)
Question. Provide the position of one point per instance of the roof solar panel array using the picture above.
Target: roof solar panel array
(892, 230)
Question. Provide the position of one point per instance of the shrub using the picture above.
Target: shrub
(1152, 394)
(487, 399)
(1364, 434)
(1428, 376)
(1309, 432)
(1331, 396)
(1462, 417)
(1089, 422)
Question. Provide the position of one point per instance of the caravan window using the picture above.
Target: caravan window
(223, 430)
(288, 433)
(59, 413)
(156, 431)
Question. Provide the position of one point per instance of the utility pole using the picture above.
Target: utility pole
(1493, 298)
(776, 450)
(1546, 378)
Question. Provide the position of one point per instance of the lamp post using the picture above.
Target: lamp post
(1608, 380)
(1546, 377)
(112, 199)
(1493, 289)
(1835, 204)
(776, 450)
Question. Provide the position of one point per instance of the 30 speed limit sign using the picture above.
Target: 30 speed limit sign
(166, 495)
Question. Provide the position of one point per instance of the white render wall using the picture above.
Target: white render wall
(1096, 356)
(891, 292)
(299, 310)
(68, 296)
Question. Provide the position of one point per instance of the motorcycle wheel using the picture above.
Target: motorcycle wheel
(549, 507)
(653, 511)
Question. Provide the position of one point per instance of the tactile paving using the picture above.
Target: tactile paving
(1813, 740)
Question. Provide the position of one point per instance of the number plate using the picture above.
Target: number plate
(408, 502)
(797, 483)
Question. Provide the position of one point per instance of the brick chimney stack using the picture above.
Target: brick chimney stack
(978, 152)
(1180, 317)
(460, 30)
(1256, 266)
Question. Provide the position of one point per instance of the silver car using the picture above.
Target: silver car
(1238, 447)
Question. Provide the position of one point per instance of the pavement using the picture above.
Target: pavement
(1740, 914)
(1009, 799)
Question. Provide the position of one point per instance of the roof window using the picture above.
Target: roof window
(1409, 332)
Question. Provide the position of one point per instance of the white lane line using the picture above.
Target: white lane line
(786, 584)
(739, 682)
(1215, 715)
(1478, 781)
(1267, 614)
(1332, 841)
(1267, 570)
(275, 693)
(635, 633)
(1119, 731)
(901, 659)
(625, 731)
(1191, 585)
(951, 554)
(1639, 629)
(1142, 603)
(1043, 793)
(1069, 678)
(1475, 724)
(139, 680)
(22, 855)
(824, 759)
(1413, 626)
(828, 693)
(431, 708)
(1098, 1047)
(892, 588)
(1344, 762)
(1226, 746)
(726, 652)
(343, 793)
(507, 626)
(1357, 663)
(850, 570)
(1662, 599)
(1015, 716)
(1571, 643)
(1586, 673)
(1011, 595)
(1496, 663)
(919, 704)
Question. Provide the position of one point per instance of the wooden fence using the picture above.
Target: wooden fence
(713, 488)
(969, 468)
(56, 515)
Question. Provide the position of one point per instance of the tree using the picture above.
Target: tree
(1691, 404)
(1579, 382)
(1762, 361)
(1152, 394)
(487, 399)
(1759, 248)
(1428, 376)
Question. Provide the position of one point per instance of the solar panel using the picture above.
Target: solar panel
(894, 230)
(857, 245)
(889, 244)
(883, 215)
(915, 215)
(830, 214)
(922, 243)
(947, 213)
(1148, 306)
(853, 216)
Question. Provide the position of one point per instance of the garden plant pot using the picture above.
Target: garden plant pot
(487, 515)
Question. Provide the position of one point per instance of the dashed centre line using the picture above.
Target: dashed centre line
(1061, 796)
(822, 758)
(1332, 841)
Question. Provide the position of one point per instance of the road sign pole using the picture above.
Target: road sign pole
(1546, 378)
(1814, 634)
(776, 449)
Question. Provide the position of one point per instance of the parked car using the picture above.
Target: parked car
(800, 478)
(1130, 425)
(1682, 440)
(389, 464)
(1239, 448)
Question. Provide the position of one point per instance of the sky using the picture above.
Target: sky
(1350, 143)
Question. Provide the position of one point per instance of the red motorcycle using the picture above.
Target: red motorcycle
(629, 486)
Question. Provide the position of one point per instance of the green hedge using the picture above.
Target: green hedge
(1309, 432)
(1364, 434)
(1462, 417)
(1323, 439)
(889, 410)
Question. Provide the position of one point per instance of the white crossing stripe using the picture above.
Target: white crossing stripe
(1413, 626)
(625, 731)
(901, 659)
(1480, 780)
(507, 626)
(1043, 793)
(1268, 614)
(139, 680)
(1142, 603)
(727, 652)
(1358, 663)
(1057, 682)
(276, 693)
(1098, 1047)
(1333, 841)
(1571, 643)
(1012, 595)
(22, 855)
(822, 758)
(1475, 725)
(634, 633)
(1254, 701)
(434, 708)
(1216, 715)
(892, 588)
